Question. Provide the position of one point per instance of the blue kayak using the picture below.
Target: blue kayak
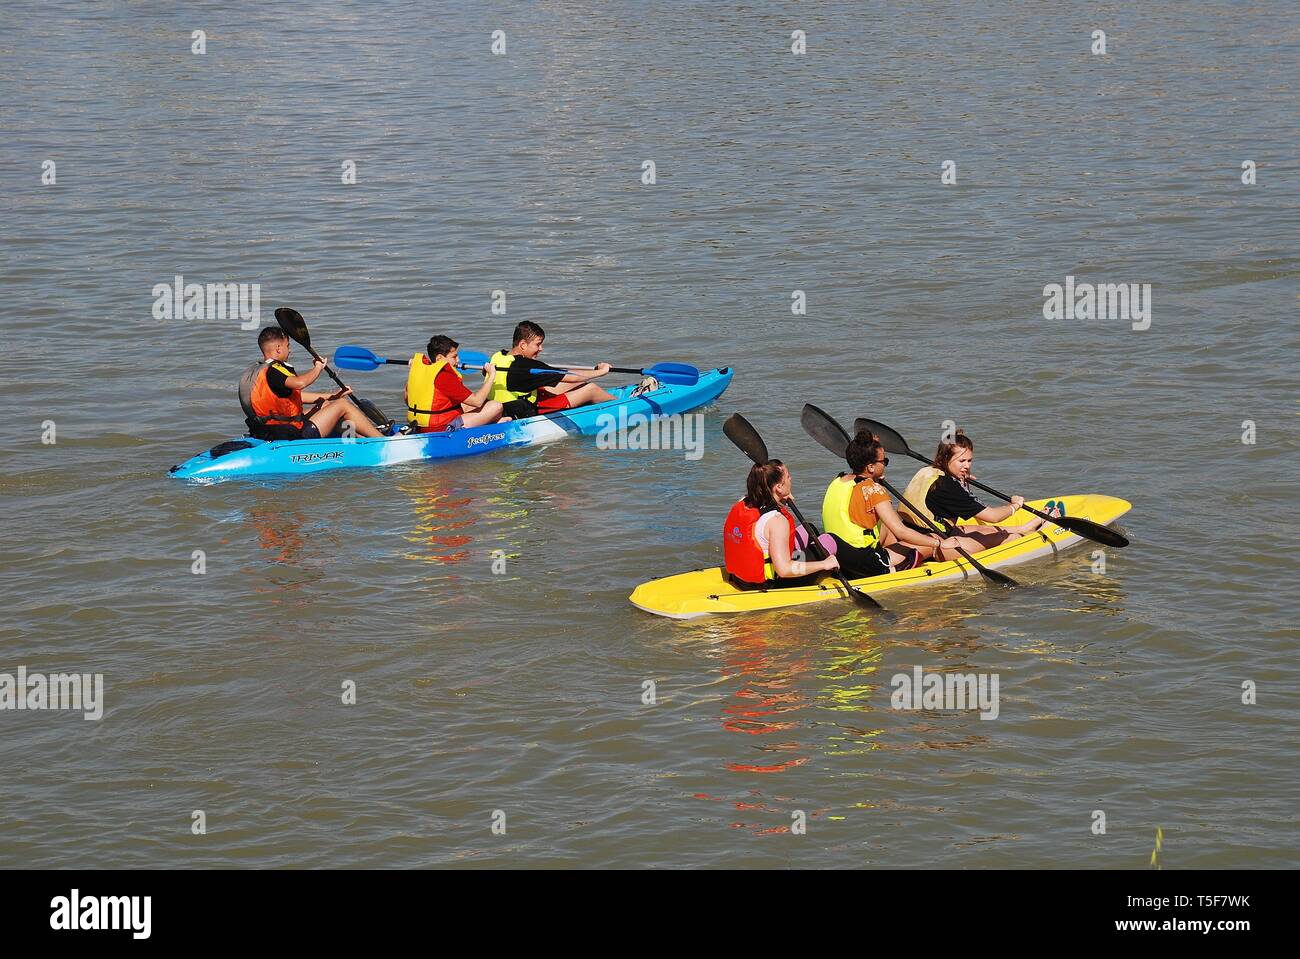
(248, 457)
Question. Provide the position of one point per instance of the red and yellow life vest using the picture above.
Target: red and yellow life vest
(422, 397)
(741, 554)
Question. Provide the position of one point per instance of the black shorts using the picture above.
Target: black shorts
(860, 561)
(283, 431)
(520, 409)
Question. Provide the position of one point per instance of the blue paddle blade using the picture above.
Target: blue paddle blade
(677, 374)
(473, 358)
(356, 358)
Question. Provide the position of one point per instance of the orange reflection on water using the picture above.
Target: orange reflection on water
(298, 547)
(278, 532)
(769, 691)
(438, 513)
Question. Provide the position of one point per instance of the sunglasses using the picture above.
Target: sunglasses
(884, 462)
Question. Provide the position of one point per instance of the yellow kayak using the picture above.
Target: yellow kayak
(706, 592)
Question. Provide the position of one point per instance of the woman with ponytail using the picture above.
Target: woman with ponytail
(759, 537)
(941, 491)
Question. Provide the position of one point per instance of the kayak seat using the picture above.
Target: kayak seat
(230, 446)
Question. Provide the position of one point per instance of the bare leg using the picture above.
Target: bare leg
(586, 394)
(490, 413)
(974, 539)
(328, 417)
(895, 556)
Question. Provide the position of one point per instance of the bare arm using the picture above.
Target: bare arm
(480, 395)
(783, 564)
(304, 380)
(597, 371)
(905, 534)
(996, 514)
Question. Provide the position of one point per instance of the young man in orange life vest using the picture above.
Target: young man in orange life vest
(437, 398)
(525, 393)
(272, 396)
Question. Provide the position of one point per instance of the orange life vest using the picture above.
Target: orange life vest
(741, 554)
(272, 410)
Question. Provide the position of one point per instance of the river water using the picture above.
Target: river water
(515, 698)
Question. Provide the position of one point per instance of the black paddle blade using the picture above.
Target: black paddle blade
(862, 599)
(291, 322)
(1002, 579)
(822, 427)
(746, 438)
(891, 440)
(1093, 531)
(375, 414)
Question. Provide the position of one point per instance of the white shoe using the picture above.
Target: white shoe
(647, 385)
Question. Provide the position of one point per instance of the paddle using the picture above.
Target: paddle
(676, 374)
(828, 432)
(359, 358)
(292, 323)
(894, 442)
(363, 360)
(747, 440)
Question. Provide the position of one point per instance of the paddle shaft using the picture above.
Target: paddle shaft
(988, 489)
(820, 549)
(463, 366)
(578, 370)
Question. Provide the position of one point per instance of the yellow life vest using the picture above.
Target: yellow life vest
(503, 360)
(421, 390)
(917, 490)
(835, 516)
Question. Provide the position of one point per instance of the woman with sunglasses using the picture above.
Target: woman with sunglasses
(869, 537)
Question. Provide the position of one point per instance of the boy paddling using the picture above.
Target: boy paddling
(524, 393)
(437, 398)
(271, 393)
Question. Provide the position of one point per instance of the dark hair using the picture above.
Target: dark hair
(271, 334)
(762, 478)
(946, 451)
(528, 330)
(863, 450)
(440, 346)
